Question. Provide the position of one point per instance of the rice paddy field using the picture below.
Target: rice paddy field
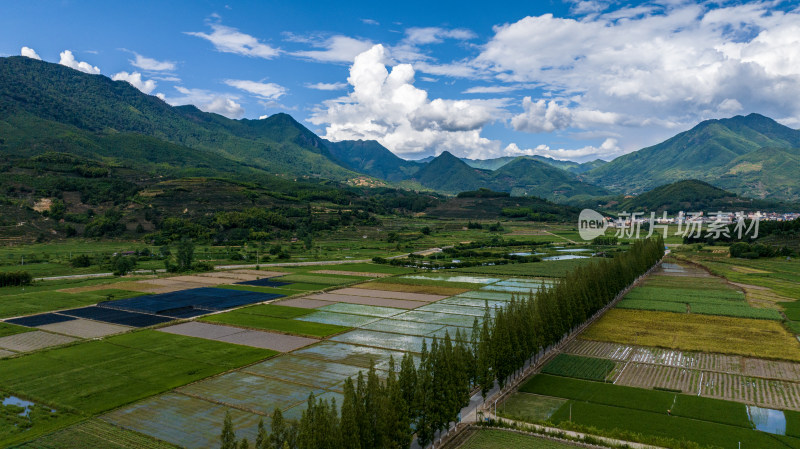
(379, 334)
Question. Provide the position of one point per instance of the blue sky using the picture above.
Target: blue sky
(577, 79)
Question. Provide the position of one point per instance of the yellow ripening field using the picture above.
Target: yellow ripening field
(705, 333)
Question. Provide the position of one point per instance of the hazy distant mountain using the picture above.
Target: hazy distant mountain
(372, 158)
(570, 166)
(753, 156)
(489, 164)
(521, 177)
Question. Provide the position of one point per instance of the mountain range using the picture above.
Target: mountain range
(47, 107)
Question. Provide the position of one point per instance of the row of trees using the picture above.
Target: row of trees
(15, 278)
(427, 398)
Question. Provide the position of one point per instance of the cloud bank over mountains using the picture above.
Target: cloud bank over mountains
(600, 81)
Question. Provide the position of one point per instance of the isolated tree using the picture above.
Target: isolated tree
(184, 254)
(279, 434)
(228, 437)
(349, 420)
(262, 438)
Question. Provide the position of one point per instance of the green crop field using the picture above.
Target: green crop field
(289, 326)
(658, 428)
(641, 415)
(319, 279)
(658, 306)
(529, 407)
(504, 439)
(96, 434)
(736, 311)
(580, 367)
(7, 329)
(96, 376)
(275, 311)
(427, 282)
(548, 268)
(17, 302)
(288, 290)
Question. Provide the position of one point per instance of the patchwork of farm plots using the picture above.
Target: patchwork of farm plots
(652, 416)
(655, 375)
(185, 376)
(369, 326)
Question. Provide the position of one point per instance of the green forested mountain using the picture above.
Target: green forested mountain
(692, 195)
(49, 107)
(372, 158)
(449, 174)
(750, 155)
(528, 177)
(522, 176)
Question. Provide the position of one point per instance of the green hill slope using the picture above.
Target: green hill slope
(692, 195)
(49, 107)
(710, 151)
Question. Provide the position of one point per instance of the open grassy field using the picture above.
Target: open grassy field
(95, 376)
(628, 411)
(725, 335)
(243, 318)
(504, 439)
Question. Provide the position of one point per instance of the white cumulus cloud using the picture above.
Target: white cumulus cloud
(152, 65)
(335, 49)
(436, 35)
(135, 79)
(231, 40)
(68, 59)
(326, 86)
(385, 105)
(265, 91)
(208, 101)
(651, 68)
(29, 53)
(608, 150)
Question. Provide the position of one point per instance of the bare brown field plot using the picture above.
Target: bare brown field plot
(427, 289)
(352, 273)
(755, 338)
(303, 303)
(85, 328)
(389, 294)
(31, 341)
